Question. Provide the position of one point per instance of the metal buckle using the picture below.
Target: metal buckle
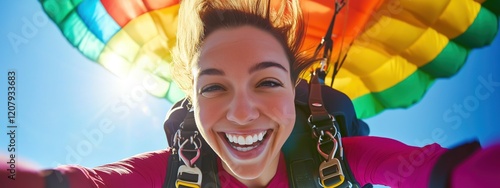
(330, 170)
(189, 170)
(182, 149)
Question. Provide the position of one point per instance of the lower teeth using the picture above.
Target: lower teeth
(244, 148)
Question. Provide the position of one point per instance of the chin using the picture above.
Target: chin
(250, 168)
(249, 172)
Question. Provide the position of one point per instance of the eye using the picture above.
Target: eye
(270, 83)
(211, 90)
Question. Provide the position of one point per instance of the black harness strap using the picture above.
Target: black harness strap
(55, 179)
(207, 160)
(441, 172)
(171, 176)
(301, 156)
(316, 105)
(335, 170)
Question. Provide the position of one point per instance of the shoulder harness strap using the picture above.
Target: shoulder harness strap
(184, 167)
(442, 170)
(314, 154)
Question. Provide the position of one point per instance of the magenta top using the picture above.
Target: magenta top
(372, 159)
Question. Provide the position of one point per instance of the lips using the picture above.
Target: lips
(245, 142)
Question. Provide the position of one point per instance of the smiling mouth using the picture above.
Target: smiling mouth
(244, 143)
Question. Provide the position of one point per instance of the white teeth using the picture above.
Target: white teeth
(244, 148)
(229, 137)
(249, 140)
(241, 140)
(246, 139)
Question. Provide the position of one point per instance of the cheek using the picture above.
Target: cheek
(206, 114)
(282, 109)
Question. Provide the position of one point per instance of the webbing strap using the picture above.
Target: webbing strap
(207, 163)
(322, 122)
(55, 179)
(302, 158)
(171, 176)
(316, 105)
(441, 172)
(300, 154)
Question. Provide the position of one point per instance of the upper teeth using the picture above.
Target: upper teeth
(245, 139)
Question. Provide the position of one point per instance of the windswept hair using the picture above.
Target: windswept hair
(199, 18)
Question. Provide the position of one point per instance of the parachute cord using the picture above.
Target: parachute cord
(338, 65)
(327, 42)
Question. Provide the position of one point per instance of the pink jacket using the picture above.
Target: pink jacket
(372, 159)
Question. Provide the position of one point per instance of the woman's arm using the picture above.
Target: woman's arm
(19, 173)
(143, 170)
(389, 162)
(481, 169)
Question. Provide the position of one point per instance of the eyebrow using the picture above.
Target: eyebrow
(264, 65)
(211, 71)
(257, 67)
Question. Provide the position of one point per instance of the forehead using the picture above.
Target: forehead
(241, 44)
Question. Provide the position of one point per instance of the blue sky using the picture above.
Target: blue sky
(72, 110)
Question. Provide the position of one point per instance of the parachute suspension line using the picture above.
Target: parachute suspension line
(339, 62)
(326, 45)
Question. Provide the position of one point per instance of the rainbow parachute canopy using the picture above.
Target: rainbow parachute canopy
(395, 49)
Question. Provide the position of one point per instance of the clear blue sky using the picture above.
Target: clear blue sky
(72, 110)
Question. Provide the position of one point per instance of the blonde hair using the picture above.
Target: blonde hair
(199, 18)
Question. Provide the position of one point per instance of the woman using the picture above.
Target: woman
(238, 62)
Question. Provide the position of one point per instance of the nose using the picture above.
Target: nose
(242, 109)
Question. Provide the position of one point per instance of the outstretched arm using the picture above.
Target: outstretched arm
(143, 170)
(481, 169)
(21, 174)
(389, 162)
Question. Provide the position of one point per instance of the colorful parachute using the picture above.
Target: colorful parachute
(395, 48)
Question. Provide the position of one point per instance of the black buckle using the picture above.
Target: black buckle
(188, 177)
(319, 127)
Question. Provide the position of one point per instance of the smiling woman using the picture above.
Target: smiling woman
(240, 62)
(252, 75)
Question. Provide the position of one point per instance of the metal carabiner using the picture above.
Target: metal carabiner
(331, 155)
(330, 170)
(190, 162)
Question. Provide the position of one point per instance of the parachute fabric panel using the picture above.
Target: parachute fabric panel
(405, 46)
(395, 49)
(131, 39)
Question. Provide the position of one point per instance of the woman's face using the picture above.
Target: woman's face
(244, 99)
